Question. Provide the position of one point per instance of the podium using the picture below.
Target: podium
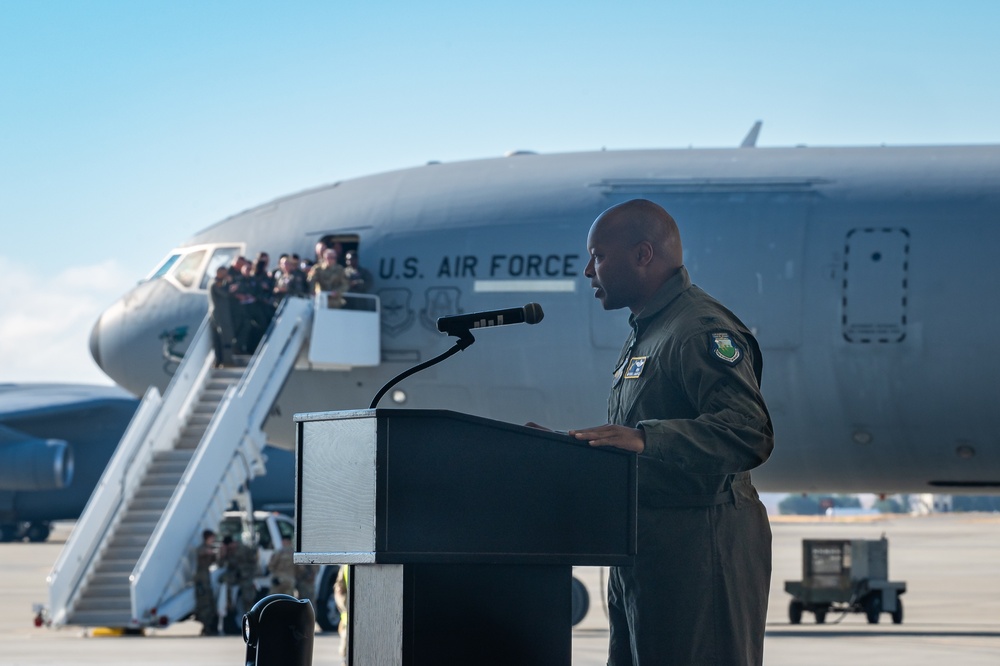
(463, 530)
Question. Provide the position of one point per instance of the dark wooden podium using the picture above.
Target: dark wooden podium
(466, 529)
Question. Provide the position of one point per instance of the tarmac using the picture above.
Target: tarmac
(950, 563)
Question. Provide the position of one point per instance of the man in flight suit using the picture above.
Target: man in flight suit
(686, 398)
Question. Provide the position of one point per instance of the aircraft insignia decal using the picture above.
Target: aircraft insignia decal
(441, 302)
(397, 315)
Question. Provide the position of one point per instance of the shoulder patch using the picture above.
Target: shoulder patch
(722, 348)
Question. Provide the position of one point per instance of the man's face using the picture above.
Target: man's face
(612, 267)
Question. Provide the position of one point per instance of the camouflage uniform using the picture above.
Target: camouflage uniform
(305, 580)
(341, 592)
(247, 562)
(229, 579)
(204, 597)
(282, 569)
(332, 279)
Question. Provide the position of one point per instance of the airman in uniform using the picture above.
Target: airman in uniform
(686, 398)
(282, 568)
(205, 611)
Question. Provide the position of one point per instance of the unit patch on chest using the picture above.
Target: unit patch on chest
(722, 348)
(636, 365)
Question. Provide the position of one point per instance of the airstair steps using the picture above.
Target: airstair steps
(118, 602)
(140, 517)
(109, 584)
(98, 619)
(151, 491)
(108, 566)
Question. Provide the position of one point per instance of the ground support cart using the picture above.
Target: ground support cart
(848, 576)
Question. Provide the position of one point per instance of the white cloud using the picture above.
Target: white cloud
(46, 316)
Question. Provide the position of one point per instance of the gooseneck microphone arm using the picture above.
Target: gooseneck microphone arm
(465, 339)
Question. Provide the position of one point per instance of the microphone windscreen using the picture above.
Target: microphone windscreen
(533, 313)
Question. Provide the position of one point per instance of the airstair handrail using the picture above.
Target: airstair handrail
(177, 405)
(198, 501)
(98, 514)
(156, 419)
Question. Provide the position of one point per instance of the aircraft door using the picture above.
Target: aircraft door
(876, 265)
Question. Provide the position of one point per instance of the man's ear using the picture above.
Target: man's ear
(643, 253)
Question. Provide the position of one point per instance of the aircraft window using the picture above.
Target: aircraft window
(222, 256)
(164, 267)
(186, 271)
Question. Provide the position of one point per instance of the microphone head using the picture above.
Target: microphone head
(533, 313)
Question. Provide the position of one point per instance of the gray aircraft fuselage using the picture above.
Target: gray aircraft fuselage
(866, 274)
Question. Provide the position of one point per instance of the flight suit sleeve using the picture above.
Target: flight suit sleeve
(732, 432)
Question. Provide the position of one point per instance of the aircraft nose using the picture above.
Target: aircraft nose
(95, 343)
(127, 342)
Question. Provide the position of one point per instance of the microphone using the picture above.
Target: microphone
(463, 323)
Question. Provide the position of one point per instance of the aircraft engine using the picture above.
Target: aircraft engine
(36, 464)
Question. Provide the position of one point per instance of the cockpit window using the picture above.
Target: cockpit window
(164, 267)
(222, 256)
(186, 271)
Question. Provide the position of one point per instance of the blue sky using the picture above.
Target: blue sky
(127, 126)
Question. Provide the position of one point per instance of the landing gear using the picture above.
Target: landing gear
(8, 532)
(38, 532)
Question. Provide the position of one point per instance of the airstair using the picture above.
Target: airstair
(179, 466)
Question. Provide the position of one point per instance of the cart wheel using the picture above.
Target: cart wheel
(580, 601)
(820, 615)
(897, 615)
(795, 612)
(873, 607)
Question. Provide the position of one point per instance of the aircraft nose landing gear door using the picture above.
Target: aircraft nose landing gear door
(345, 337)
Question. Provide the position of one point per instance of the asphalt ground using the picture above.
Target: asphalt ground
(950, 563)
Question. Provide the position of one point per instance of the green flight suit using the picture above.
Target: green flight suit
(689, 376)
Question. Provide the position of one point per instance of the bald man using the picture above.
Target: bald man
(686, 397)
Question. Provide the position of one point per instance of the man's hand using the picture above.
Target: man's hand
(621, 437)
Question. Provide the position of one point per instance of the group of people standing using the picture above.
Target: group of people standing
(237, 591)
(244, 296)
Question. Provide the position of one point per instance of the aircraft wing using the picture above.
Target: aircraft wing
(38, 424)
